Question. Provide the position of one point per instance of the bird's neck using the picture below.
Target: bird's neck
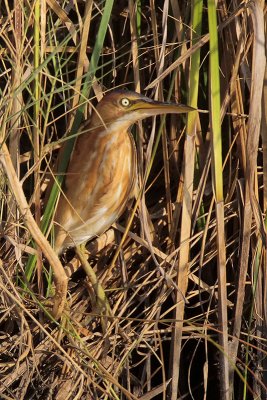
(117, 128)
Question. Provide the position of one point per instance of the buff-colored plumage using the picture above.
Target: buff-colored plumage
(101, 176)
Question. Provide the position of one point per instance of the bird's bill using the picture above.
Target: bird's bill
(152, 107)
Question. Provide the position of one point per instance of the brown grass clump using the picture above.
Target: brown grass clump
(188, 300)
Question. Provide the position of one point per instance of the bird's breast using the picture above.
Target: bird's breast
(99, 182)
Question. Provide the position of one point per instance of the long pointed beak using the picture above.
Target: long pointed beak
(152, 107)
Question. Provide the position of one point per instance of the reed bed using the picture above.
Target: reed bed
(184, 269)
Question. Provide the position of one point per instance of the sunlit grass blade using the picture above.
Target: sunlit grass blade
(217, 175)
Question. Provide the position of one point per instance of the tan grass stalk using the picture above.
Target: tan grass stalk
(137, 82)
(257, 75)
(36, 130)
(14, 137)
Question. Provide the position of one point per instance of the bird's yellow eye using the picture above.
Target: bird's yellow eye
(125, 102)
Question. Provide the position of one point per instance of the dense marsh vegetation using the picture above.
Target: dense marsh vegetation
(188, 300)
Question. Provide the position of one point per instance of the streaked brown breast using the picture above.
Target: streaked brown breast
(99, 182)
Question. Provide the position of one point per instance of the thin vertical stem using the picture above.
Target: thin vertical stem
(217, 175)
(188, 175)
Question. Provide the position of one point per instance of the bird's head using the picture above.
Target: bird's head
(126, 107)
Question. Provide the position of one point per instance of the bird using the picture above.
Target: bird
(102, 173)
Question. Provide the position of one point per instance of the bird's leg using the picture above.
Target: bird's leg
(101, 299)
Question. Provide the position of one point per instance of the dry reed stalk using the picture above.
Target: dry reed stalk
(258, 71)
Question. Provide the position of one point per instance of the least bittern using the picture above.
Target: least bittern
(102, 173)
